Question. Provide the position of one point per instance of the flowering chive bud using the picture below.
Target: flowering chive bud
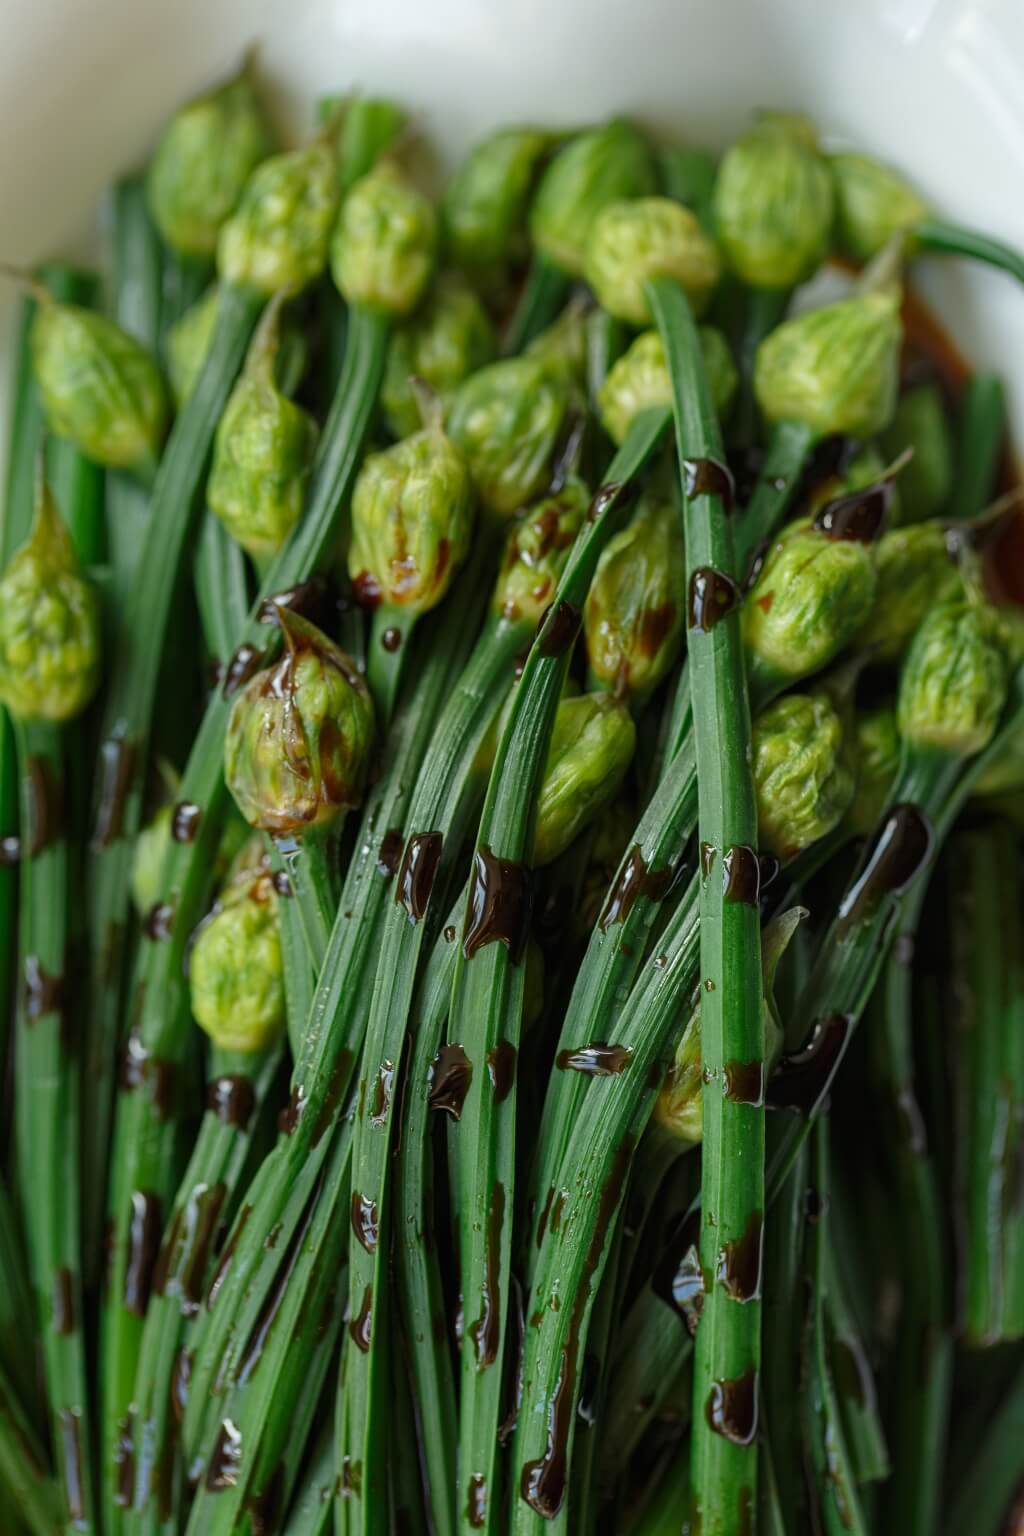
(507, 419)
(877, 748)
(447, 339)
(49, 623)
(914, 573)
(279, 235)
(203, 160)
(536, 552)
(591, 171)
(299, 735)
(99, 387)
(873, 203)
(412, 517)
(236, 974)
(562, 346)
(151, 847)
(926, 481)
(639, 379)
(485, 205)
(633, 617)
(834, 369)
(802, 784)
(262, 453)
(773, 205)
(954, 681)
(592, 746)
(384, 248)
(812, 596)
(630, 242)
(370, 126)
(188, 342)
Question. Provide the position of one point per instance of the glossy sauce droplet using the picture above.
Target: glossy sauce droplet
(596, 1059)
(118, 761)
(744, 1082)
(500, 901)
(232, 1098)
(360, 1327)
(389, 853)
(899, 850)
(44, 994)
(391, 639)
(180, 1383)
(707, 477)
(713, 596)
(858, 517)
(501, 1069)
(159, 923)
(451, 1072)
(364, 1221)
(244, 664)
(366, 591)
(558, 629)
(739, 1262)
(10, 850)
(185, 822)
(71, 1456)
(731, 1408)
(224, 1264)
(635, 879)
(801, 1081)
(417, 873)
(708, 854)
(476, 1509)
(307, 598)
(486, 1331)
(143, 1245)
(63, 1302)
(382, 1090)
(742, 874)
(124, 1464)
(225, 1458)
(290, 1116)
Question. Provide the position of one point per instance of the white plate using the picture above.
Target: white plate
(935, 85)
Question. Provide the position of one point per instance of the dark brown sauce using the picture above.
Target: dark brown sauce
(306, 598)
(341, 1071)
(557, 1208)
(71, 1458)
(500, 903)
(159, 922)
(476, 1509)
(143, 1245)
(739, 1262)
(708, 854)
(558, 628)
(64, 1321)
(118, 762)
(162, 1077)
(545, 1211)
(742, 874)
(361, 1327)
(232, 1098)
(267, 1508)
(418, 872)
(707, 477)
(391, 639)
(744, 1082)
(281, 883)
(501, 1069)
(390, 852)
(364, 1221)
(800, 1081)
(224, 1263)
(124, 1464)
(597, 1059)
(655, 625)
(731, 1408)
(486, 1331)
(713, 596)
(293, 1111)
(383, 1087)
(900, 849)
(366, 590)
(451, 1072)
(244, 664)
(203, 1217)
(44, 994)
(225, 1459)
(636, 879)
(858, 517)
(185, 821)
(351, 1476)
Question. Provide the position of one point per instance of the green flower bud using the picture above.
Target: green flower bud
(927, 480)
(236, 973)
(449, 338)
(536, 552)
(485, 205)
(154, 840)
(868, 468)
(773, 205)
(412, 518)
(370, 126)
(812, 596)
(507, 419)
(262, 453)
(873, 203)
(592, 746)
(802, 784)
(188, 342)
(385, 245)
(633, 618)
(954, 681)
(914, 573)
(590, 172)
(639, 379)
(278, 237)
(877, 749)
(206, 155)
(49, 623)
(648, 237)
(99, 387)
(562, 346)
(835, 369)
(299, 735)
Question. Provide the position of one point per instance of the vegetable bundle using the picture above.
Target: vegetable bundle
(509, 764)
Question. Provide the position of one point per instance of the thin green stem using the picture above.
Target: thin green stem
(311, 863)
(542, 297)
(25, 1484)
(783, 1325)
(955, 240)
(762, 310)
(980, 1503)
(390, 634)
(980, 435)
(222, 589)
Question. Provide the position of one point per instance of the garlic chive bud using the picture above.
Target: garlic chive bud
(154, 840)
(592, 746)
(536, 552)
(370, 126)
(236, 972)
(279, 235)
(49, 623)
(647, 237)
(802, 783)
(633, 618)
(773, 204)
(954, 681)
(877, 749)
(562, 346)
(507, 419)
(920, 424)
(591, 171)
(834, 369)
(299, 735)
(485, 205)
(188, 342)
(914, 573)
(445, 341)
(873, 203)
(639, 379)
(205, 156)
(385, 245)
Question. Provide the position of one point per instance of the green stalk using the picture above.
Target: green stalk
(17, 1345)
(652, 1348)
(146, 1127)
(222, 589)
(732, 1015)
(299, 978)
(542, 297)
(586, 1491)
(854, 1383)
(606, 341)
(25, 1484)
(662, 1513)
(312, 1513)
(762, 310)
(783, 1325)
(980, 1503)
(955, 240)
(981, 429)
(311, 861)
(390, 633)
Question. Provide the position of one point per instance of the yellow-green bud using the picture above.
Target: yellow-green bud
(98, 386)
(591, 171)
(447, 339)
(236, 972)
(927, 480)
(188, 342)
(773, 206)
(507, 419)
(385, 245)
(834, 369)
(877, 749)
(802, 783)
(639, 379)
(153, 842)
(203, 160)
(49, 623)
(873, 203)
(278, 237)
(485, 205)
(592, 746)
(299, 735)
(562, 346)
(914, 573)
(412, 518)
(536, 552)
(954, 681)
(648, 237)
(634, 618)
